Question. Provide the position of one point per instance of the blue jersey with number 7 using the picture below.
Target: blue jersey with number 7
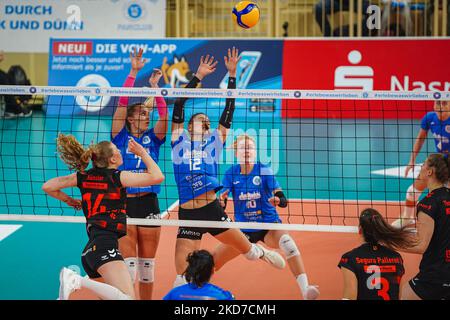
(132, 162)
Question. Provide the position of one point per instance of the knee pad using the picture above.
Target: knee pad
(132, 267)
(146, 270)
(412, 194)
(288, 246)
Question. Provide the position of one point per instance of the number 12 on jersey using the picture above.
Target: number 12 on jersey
(194, 164)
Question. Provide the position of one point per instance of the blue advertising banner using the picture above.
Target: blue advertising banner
(106, 63)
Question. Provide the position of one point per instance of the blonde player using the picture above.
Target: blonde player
(103, 203)
(256, 194)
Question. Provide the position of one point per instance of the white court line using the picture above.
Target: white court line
(8, 229)
(399, 172)
(170, 208)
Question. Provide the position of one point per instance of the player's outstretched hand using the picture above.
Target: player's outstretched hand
(206, 67)
(137, 63)
(231, 61)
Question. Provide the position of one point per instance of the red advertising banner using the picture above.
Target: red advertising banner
(395, 65)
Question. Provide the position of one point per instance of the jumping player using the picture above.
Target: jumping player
(103, 203)
(195, 156)
(140, 245)
(256, 193)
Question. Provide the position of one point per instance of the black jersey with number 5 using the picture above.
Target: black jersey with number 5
(378, 270)
(103, 199)
(435, 264)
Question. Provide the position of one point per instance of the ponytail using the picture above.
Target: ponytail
(375, 230)
(77, 157)
(200, 267)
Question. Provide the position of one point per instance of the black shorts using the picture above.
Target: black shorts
(430, 290)
(256, 236)
(145, 207)
(211, 212)
(103, 247)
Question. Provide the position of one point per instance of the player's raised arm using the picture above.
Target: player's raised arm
(226, 118)
(120, 115)
(162, 124)
(206, 67)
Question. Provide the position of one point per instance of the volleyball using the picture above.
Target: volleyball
(246, 14)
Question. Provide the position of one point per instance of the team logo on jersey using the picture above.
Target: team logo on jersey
(257, 180)
(447, 129)
(146, 140)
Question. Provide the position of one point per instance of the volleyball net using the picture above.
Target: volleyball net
(333, 153)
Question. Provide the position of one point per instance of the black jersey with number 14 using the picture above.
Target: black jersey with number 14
(378, 270)
(103, 199)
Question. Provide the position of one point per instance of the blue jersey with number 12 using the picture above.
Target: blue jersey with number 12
(195, 165)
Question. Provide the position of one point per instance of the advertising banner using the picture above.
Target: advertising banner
(26, 26)
(106, 63)
(395, 65)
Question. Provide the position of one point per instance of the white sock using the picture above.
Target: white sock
(254, 253)
(302, 281)
(179, 281)
(103, 290)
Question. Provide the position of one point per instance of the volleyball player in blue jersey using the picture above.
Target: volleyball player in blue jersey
(132, 122)
(198, 273)
(438, 122)
(195, 156)
(256, 193)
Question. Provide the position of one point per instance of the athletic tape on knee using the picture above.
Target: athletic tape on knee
(146, 270)
(288, 246)
(413, 194)
(132, 267)
(254, 253)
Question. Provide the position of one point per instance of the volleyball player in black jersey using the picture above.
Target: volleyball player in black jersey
(373, 271)
(103, 203)
(433, 234)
